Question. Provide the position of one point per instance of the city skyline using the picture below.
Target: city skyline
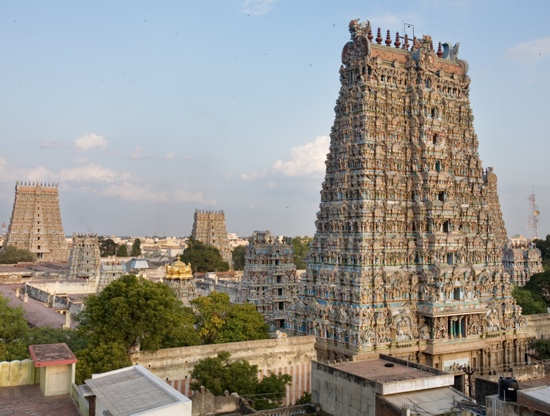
(143, 112)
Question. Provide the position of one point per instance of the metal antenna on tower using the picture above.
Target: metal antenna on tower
(534, 213)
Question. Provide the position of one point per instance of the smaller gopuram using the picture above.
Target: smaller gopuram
(35, 223)
(269, 278)
(84, 260)
(179, 276)
(521, 259)
(209, 228)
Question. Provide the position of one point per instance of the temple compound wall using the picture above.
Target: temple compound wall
(35, 223)
(286, 355)
(84, 260)
(269, 278)
(209, 228)
(407, 254)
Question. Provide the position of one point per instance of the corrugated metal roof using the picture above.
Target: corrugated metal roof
(128, 392)
(426, 402)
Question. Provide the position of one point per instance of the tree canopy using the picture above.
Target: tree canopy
(219, 374)
(300, 246)
(219, 321)
(132, 313)
(534, 297)
(107, 247)
(122, 251)
(136, 248)
(237, 255)
(544, 247)
(14, 332)
(11, 255)
(203, 258)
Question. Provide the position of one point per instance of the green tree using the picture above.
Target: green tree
(544, 247)
(271, 391)
(122, 251)
(12, 255)
(99, 359)
(133, 311)
(542, 347)
(300, 246)
(219, 321)
(218, 374)
(14, 332)
(136, 248)
(539, 284)
(243, 323)
(238, 257)
(530, 302)
(107, 247)
(203, 258)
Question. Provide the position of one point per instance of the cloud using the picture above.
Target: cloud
(308, 159)
(257, 7)
(169, 156)
(53, 144)
(90, 141)
(91, 172)
(529, 52)
(146, 193)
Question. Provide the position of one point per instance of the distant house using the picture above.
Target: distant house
(131, 391)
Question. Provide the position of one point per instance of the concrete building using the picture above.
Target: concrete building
(133, 391)
(57, 367)
(384, 386)
(209, 228)
(407, 254)
(35, 223)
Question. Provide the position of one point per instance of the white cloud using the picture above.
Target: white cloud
(169, 156)
(306, 159)
(257, 7)
(529, 52)
(90, 141)
(90, 173)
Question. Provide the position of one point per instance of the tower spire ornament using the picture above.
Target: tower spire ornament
(407, 254)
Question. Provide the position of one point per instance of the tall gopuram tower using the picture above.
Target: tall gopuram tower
(407, 254)
(269, 278)
(35, 223)
(209, 228)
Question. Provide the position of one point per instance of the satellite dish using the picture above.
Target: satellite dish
(536, 213)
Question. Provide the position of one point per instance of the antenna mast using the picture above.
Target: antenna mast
(533, 222)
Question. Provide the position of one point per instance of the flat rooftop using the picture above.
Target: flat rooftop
(383, 371)
(29, 401)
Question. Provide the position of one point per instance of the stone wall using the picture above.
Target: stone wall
(57, 300)
(288, 356)
(205, 403)
(538, 326)
(17, 373)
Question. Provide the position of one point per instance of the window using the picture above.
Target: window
(280, 292)
(279, 279)
(281, 306)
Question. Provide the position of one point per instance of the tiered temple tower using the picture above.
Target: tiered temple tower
(269, 278)
(521, 259)
(35, 223)
(407, 254)
(84, 261)
(209, 228)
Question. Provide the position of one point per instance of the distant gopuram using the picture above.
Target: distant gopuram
(407, 254)
(84, 259)
(35, 223)
(209, 228)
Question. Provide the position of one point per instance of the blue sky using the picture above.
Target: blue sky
(144, 111)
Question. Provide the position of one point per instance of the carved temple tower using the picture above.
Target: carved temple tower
(84, 260)
(35, 223)
(209, 228)
(407, 254)
(269, 278)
